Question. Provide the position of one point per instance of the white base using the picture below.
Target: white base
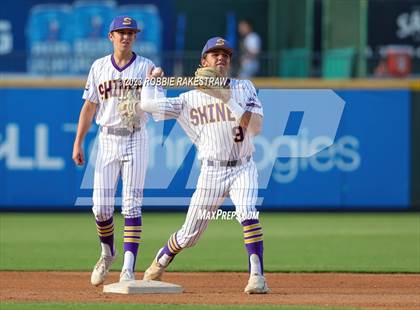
(143, 287)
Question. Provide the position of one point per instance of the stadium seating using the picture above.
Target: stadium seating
(49, 39)
(149, 41)
(65, 39)
(91, 20)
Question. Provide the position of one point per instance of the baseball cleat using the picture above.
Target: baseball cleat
(256, 285)
(127, 275)
(155, 270)
(101, 269)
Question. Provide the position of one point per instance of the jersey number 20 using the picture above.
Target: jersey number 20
(238, 134)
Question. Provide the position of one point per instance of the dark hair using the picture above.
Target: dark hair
(248, 21)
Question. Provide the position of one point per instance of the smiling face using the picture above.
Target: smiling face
(218, 59)
(123, 39)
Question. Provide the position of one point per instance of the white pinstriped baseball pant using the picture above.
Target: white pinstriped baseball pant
(120, 155)
(213, 186)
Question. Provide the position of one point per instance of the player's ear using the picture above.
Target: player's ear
(203, 61)
(110, 37)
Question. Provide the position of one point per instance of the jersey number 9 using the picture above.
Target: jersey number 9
(238, 134)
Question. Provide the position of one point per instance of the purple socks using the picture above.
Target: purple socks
(106, 233)
(132, 231)
(171, 248)
(253, 239)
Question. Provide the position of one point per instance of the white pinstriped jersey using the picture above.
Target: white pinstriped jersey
(106, 82)
(210, 124)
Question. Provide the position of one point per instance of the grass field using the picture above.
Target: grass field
(294, 242)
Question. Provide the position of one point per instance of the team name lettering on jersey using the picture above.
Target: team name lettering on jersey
(211, 113)
(117, 88)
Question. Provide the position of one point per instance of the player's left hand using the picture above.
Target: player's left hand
(127, 110)
(221, 92)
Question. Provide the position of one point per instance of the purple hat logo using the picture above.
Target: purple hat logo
(127, 21)
(220, 42)
(217, 43)
(123, 22)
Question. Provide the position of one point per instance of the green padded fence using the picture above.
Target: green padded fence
(338, 63)
(295, 63)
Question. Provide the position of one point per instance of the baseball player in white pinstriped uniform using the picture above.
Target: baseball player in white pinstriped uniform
(221, 125)
(123, 148)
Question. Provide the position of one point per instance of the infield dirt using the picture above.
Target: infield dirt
(366, 291)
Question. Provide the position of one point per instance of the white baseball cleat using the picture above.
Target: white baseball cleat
(101, 269)
(256, 285)
(155, 270)
(127, 275)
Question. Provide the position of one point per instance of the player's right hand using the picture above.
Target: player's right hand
(78, 156)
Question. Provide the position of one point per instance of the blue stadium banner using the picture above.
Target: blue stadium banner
(366, 167)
